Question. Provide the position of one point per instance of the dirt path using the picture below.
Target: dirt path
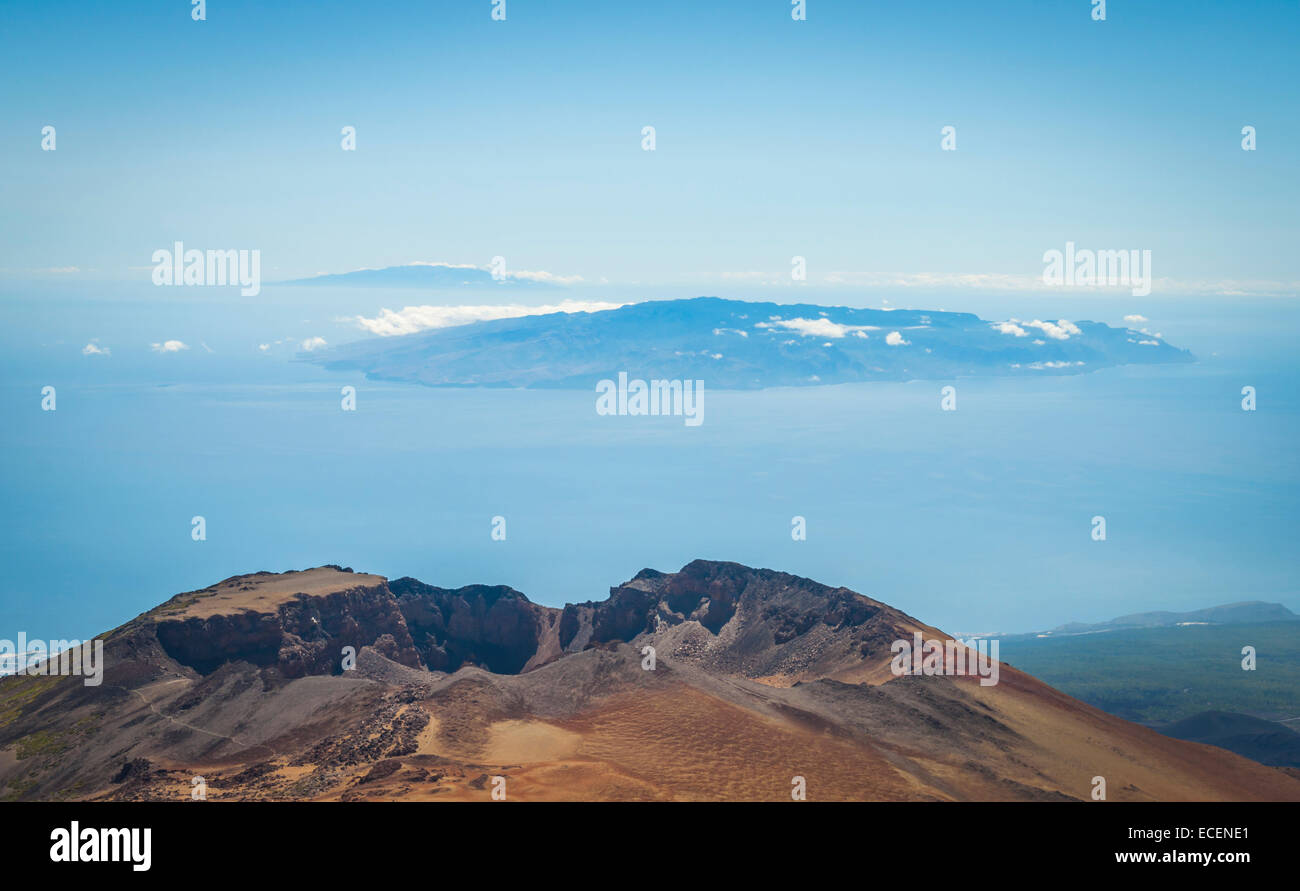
(178, 722)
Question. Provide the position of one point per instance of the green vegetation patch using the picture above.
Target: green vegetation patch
(42, 742)
(16, 693)
(1159, 675)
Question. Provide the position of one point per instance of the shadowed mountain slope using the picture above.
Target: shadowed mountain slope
(1267, 742)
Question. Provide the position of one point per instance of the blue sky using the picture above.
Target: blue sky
(774, 138)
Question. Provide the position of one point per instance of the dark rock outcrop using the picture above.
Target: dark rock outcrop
(491, 626)
(303, 636)
(136, 768)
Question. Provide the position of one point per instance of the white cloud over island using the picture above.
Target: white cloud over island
(818, 327)
(1061, 329)
(411, 319)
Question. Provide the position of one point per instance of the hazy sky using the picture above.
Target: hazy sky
(774, 138)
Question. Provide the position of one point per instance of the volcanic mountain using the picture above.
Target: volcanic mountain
(331, 684)
(442, 276)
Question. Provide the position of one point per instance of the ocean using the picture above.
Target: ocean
(974, 520)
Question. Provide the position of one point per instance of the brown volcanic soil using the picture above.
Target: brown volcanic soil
(263, 593)
(760, 677)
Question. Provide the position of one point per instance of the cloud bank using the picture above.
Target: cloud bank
(411, 319)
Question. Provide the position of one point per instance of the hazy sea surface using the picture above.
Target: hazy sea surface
(973, 520)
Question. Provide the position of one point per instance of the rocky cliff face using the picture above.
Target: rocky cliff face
(493, 627)
(738, 620)
(299, 624)
(304, 635)
(725, 616)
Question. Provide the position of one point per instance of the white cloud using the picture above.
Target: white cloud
(997, 281)
(413, 263)
(168, 346)
(925, 280)
(267, 347)
(893, 338)
(43, 270)
(1058, 330)
(422, 318)
(764, 279)
(1148, 343)
(1039, 366)
(94, 349)
(817, 327)
(543, 276)
(313, 343)
(1136, 319)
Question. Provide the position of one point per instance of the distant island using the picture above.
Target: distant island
(1244, 612)
(443, 276)
(742, 345)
